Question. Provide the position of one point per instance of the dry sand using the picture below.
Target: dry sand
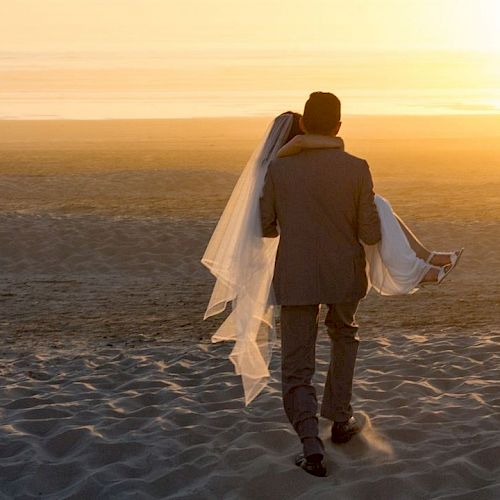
(110, 387)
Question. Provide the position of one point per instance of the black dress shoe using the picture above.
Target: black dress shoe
(343, 431)
(312, 465)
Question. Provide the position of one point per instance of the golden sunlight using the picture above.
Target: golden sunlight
(151, 229)
(130, 59)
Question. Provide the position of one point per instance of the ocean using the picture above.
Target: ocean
(170, 84)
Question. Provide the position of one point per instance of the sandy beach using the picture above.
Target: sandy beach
(109, 384)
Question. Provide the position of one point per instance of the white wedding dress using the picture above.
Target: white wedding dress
(392, 266)
(242, 262)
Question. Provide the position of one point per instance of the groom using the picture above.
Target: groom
(321, 203)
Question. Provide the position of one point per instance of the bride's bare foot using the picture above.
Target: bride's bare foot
(431, 276)
(441, 259)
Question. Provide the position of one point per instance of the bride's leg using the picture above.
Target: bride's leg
(438, 259)
(422, 252)
(414, 242)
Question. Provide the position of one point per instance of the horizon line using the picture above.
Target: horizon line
(257, 117)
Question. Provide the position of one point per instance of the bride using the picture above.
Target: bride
(242, 261)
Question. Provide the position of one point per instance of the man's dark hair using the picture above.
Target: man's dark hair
(321, 113)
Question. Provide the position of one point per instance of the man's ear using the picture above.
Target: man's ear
(301, 125)
(335, 131)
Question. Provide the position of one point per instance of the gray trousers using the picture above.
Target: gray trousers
(299, 330)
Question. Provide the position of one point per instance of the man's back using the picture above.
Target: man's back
(323, 203)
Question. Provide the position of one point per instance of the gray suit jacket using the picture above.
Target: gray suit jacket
(321, 202)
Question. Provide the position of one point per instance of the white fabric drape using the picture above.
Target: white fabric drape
(243, 263)
(393, 268)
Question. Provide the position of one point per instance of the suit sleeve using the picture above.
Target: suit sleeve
(268, 216)
(368, 219)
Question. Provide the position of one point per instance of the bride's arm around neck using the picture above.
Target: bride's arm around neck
(309, 141)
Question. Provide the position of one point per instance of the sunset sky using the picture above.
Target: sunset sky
(162, 58)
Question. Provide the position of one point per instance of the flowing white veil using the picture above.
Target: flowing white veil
(243, 263)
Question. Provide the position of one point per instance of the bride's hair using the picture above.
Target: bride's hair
(295, 129)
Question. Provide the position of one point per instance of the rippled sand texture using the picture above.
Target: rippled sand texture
(109, 385)
(155, 420)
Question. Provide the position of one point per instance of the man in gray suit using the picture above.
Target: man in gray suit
(321, 203)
